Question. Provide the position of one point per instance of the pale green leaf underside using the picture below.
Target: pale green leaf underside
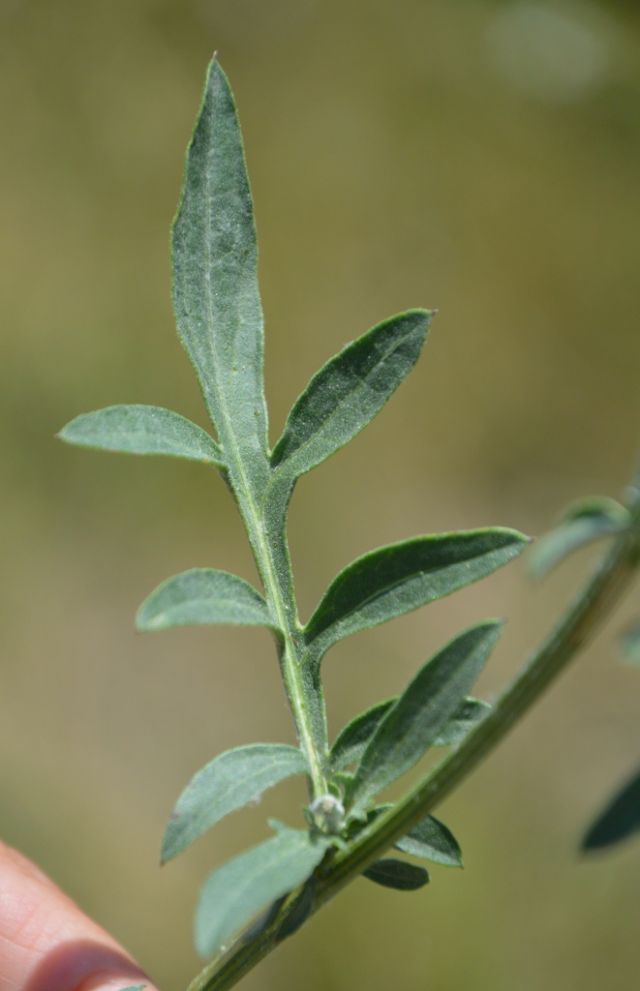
(215, 284)
(414, 722)
(142, 429)
(238, 890)
(398, 874)
(203, 596)
(583, 522)
(228, 782)
(349, 390)
(135, 987)
(631, 644)
(396, 579)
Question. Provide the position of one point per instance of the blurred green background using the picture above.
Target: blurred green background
(479, 157)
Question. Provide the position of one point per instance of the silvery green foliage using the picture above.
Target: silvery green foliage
(219, 319)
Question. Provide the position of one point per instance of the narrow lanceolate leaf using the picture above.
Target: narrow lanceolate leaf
(631, 644)
(583, 523)
(432, 840)
(230, 781)
(239, 889)
(215, 284)
(414, 722)
(203, 596)
(619, 820)
(397, 874)
(348, 392)
(352, 740)
(142, 430)
(394, 580)
(469, 714)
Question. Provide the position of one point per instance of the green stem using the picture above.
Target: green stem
(269, 543)
(600, 594)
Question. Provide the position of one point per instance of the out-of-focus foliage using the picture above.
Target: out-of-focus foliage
(399, 154)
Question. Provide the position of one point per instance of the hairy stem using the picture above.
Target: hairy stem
(603, 590)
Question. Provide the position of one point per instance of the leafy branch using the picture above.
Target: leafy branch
(346, 829)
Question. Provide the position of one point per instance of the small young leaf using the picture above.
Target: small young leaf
(396, 579)
(471, 712)
(349, 390)
(620, 818)
(226, 783)
(414, 722)
(391, 873)
(142, 430)
(215, 284)
(432, 840)
(235, 892)
(203, 596)
(352, 740)
(582, 523)
(631, 644)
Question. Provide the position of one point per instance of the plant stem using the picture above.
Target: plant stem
(269, 544)
(603, 590)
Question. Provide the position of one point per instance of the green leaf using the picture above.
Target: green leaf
(352, 740)
(349, 390)
(228, 782)
(419, 715)
(215, 284)
(391, 873)
(203, 596)
(631, 644)
(582, 523)
(142, 430)
(471, 712)
(619, 820)
(135, 987)
(432, 840)
(394, 580)
(235, 892)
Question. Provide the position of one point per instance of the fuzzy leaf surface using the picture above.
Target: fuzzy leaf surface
(203, 596)
(631, 644)
(619, 820)
(142, 429)
(432, 840)
(235, 892)
(582, 523)
(349, 390)
(398, 874)
(469, 714)
(215, 283)
(228, 782)
(401, 577)
(414, 722)
(352, 740)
